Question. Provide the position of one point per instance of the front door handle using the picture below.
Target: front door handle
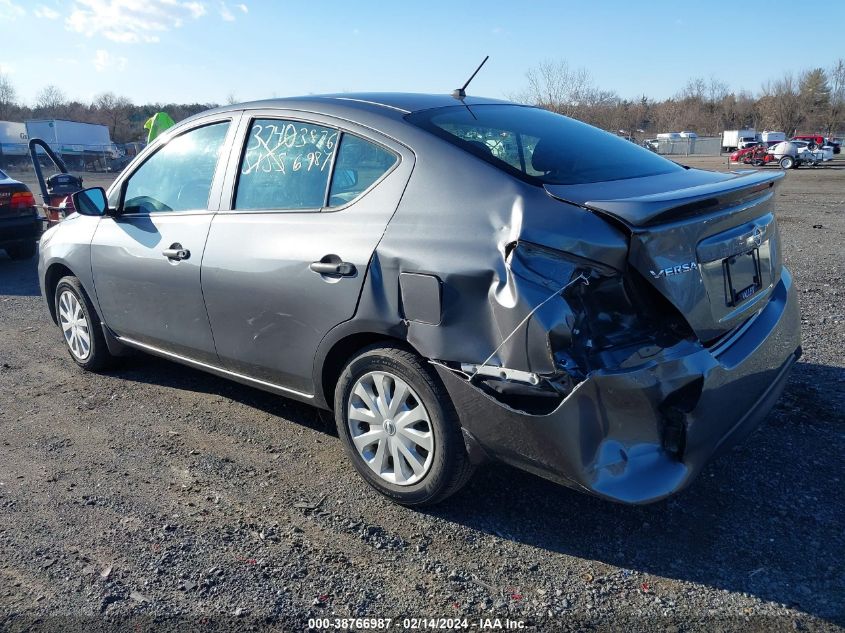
(176, 252)
(339, 268)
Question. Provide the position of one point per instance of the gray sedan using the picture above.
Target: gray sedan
(451, 279)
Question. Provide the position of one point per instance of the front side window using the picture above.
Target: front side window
(359, 164)
(540, 146)
(286, 165)
(178, 176)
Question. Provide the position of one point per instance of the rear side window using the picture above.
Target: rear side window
(178, 176)
(359, 164)
(286, 165)
(539, 146)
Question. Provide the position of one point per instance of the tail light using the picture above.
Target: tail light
(22, 200)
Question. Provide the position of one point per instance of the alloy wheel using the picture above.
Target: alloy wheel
(74, 325)
(390, 428)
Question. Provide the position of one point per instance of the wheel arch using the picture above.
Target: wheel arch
(337, 348)
(52, 276)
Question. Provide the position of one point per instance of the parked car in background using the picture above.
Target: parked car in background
(651, 143)
(449, 278)
(20, 223)
(740, 155)
(735, 139)
(820, 152)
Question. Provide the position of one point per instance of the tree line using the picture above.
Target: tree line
(124, 119)
(812, 102)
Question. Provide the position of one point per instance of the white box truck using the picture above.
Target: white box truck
(770, 138)
(69, 136)
(735, 139)
(13, 139)
(78, 143)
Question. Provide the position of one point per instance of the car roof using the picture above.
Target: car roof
(392, 104)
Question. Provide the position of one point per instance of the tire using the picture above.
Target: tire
(71, 300)
(444, 469)
(786, 162)
(22, 251)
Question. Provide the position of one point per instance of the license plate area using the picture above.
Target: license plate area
(743, 276)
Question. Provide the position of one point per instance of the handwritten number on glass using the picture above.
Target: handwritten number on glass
(288, 148)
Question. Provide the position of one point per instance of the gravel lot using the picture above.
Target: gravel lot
(155, 496)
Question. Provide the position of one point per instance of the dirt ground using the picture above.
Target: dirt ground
(156, 496)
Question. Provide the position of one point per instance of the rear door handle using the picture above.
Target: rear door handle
(342, 269)
(176, 252)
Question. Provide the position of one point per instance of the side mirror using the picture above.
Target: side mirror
(91, 201)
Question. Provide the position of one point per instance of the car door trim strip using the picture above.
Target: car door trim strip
(212, 368)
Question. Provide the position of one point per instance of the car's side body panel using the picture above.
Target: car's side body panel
(72, 251)
(144, 296)
(268, 309)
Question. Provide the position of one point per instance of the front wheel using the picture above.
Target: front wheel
(399, 427)
(787, 162)
(80, 325)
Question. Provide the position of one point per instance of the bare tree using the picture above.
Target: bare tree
(50, 101)
(695, 88)
(835, 119)
(8, 96)
(114, 111)
(555, 86)
(717, 90)
(780, 105)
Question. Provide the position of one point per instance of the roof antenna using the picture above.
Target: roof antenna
(460, 93)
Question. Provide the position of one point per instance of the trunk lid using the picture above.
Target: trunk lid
(707, 241)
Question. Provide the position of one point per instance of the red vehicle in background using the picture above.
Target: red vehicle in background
(747, 155)
(758, 155)
(740, 154)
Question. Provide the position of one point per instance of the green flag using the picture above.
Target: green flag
(157, 124)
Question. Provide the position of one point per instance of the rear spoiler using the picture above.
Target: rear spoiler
(667, 197)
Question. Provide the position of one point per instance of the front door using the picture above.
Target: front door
(286, 262)
(146, 260)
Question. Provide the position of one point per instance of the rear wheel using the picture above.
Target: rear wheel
(80, 325)
(399, 427)
(22, 251)
(787, 162)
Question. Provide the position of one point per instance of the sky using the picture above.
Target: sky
(189, 51)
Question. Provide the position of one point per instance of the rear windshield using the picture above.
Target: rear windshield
(540, 146)
(3, 176)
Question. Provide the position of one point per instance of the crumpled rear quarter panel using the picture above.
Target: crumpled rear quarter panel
(606, 436)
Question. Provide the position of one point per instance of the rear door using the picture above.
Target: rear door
(146, 261)
(288, 252)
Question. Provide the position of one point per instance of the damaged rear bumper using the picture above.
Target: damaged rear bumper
(639, 435)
